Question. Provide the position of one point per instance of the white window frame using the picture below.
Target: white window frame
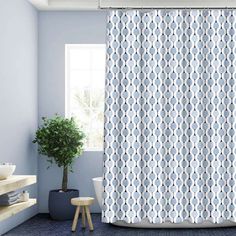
(69, 47)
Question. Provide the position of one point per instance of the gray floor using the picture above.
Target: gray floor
(42, 225)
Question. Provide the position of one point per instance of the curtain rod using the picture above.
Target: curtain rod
(167, 8)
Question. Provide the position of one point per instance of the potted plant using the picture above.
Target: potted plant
(61, 141)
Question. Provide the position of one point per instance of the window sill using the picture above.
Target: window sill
(93, 150)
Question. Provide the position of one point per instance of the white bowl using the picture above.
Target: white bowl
(6, 171)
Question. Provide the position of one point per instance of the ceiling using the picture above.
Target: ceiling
(97, 4)
(65, 4)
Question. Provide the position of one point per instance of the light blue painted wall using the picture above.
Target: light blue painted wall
(18, 93)
(55, 30)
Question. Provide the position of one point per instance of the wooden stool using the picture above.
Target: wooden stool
(83, 202)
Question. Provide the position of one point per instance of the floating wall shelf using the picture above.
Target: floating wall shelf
(8, 211)
(11, 184)
(16, 182)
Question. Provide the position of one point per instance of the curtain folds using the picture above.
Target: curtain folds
(170, 116)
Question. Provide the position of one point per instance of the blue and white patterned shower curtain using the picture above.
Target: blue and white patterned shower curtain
(170, 116)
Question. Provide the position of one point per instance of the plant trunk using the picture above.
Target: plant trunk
(65, 179)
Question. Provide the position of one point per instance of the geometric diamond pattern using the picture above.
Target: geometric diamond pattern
(170, 116)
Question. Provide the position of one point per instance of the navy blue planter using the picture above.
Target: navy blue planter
(59, 204)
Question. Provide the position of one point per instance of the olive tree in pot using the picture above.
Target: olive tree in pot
(61, 141)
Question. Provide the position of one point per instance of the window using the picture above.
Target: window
(85, 82)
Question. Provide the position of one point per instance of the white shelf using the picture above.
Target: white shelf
(16, 182)
(8, 211)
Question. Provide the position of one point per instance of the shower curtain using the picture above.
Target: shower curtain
(170, 116)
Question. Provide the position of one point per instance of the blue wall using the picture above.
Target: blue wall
(33, 44)
(18, 93)
(55, 30)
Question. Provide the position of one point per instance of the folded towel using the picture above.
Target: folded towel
(12, 194)
(12, 199)
(7, 203)
(9, 196)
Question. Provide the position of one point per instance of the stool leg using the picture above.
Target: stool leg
(89, 218)
(75, 221)
(83, 217)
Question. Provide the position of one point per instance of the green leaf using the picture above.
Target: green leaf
(60, 139)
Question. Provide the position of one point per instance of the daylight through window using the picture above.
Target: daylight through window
(85, 81)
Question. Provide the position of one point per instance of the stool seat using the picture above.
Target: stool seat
(82, 201)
